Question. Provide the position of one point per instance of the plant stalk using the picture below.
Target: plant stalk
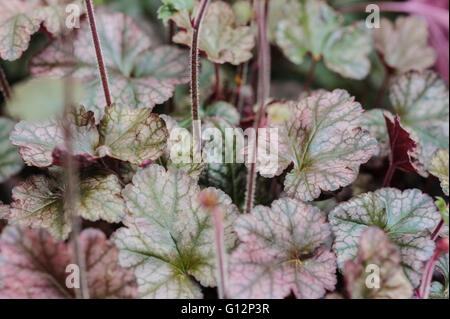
(389, 174)
(221, 254)
(311, 72)
(4, 85)
(98, 52)
(217, 85)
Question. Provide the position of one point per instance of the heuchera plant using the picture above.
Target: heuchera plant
(116, 176)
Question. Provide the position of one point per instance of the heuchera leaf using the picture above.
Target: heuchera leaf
(39, 202)
(404, 44)
(407, 217)
(4, 211)
(375, 249)
(20, 19)
(124, 133)
(324, 140)
(439, 168)
(10, 161)
(33, 265)
(170, 7)
(374, 122)
(220, 38)
(421, 100)
(345, 49)
(140, 76)
(281, 252)
(169, 237)
(439, 290)
(404, 149)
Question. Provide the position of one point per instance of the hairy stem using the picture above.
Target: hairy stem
(4, 85)
(98, 52)
(195, 70)
(424, 289)
(263, 94)
(389, 174)
(437, 231)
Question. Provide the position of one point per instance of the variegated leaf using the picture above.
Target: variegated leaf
(439, 290)
(281, 252)
(421, 100)
(220, 38)
(345, 49)
(439, 168)
(377, 253)
(324, 140)
(168, 239)
(407, 217)
(33, 265)
(10, 161)
(140, 76)
(39, 202)
(375, 123)
(20, 19)
(404, 44)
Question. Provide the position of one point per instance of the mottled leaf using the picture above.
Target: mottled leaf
(422, 102)
(10, 162)
(374, 122)
(324, 140)
(439, 168)
(281, 252)
(140, 76)
(33, 265)
(439, 290)
(403, 45)
(407, 217)
(169, 237)
(375, 250)
(220, 38)
(345, 49)
(39, 202)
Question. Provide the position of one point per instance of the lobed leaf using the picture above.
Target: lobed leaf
(404, 44)
(281, 252)
(168, 239)
(33, 265)
(220, 38)
(324, 140)
(375, 249)
(407, 217)
(345, 49)
(10, 162)
(439, 167)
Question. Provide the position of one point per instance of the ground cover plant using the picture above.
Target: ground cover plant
(224, 149)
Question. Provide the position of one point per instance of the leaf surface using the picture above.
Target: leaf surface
(439, 290)
(439, 168)
(10, 161)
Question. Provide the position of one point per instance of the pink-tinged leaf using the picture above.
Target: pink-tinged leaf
(377, 256)
(140, 76)
(10, 161)
(282, 252)
(221, 38)
(20, 19)
(324, 140)
(407, 217)
(404, 149)
(33, 265)
(169, 239)
(39, 202)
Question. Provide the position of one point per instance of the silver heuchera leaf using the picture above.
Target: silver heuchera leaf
(39, 202)
(439, 290)
(10, 161)
(421, 100)
(440, 167)
(168, 239)
(33, 265)
(281, 252)
(376, 257)
(375, 123)
(404, 44)
(407, 217)
(220, 38)
(324, 140)
(345, 49)
(140, 76)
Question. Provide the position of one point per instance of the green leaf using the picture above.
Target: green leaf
(169, 237)
(407, 217)
(345, 49)
(443, 208)
(439, 290)
(171, 7)
(439, 167)
(375, 249)
(282, 252)
(221, 39)
(404, 44)
(140, 76)
(39, 202)
(324, 140)
(10, 161)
